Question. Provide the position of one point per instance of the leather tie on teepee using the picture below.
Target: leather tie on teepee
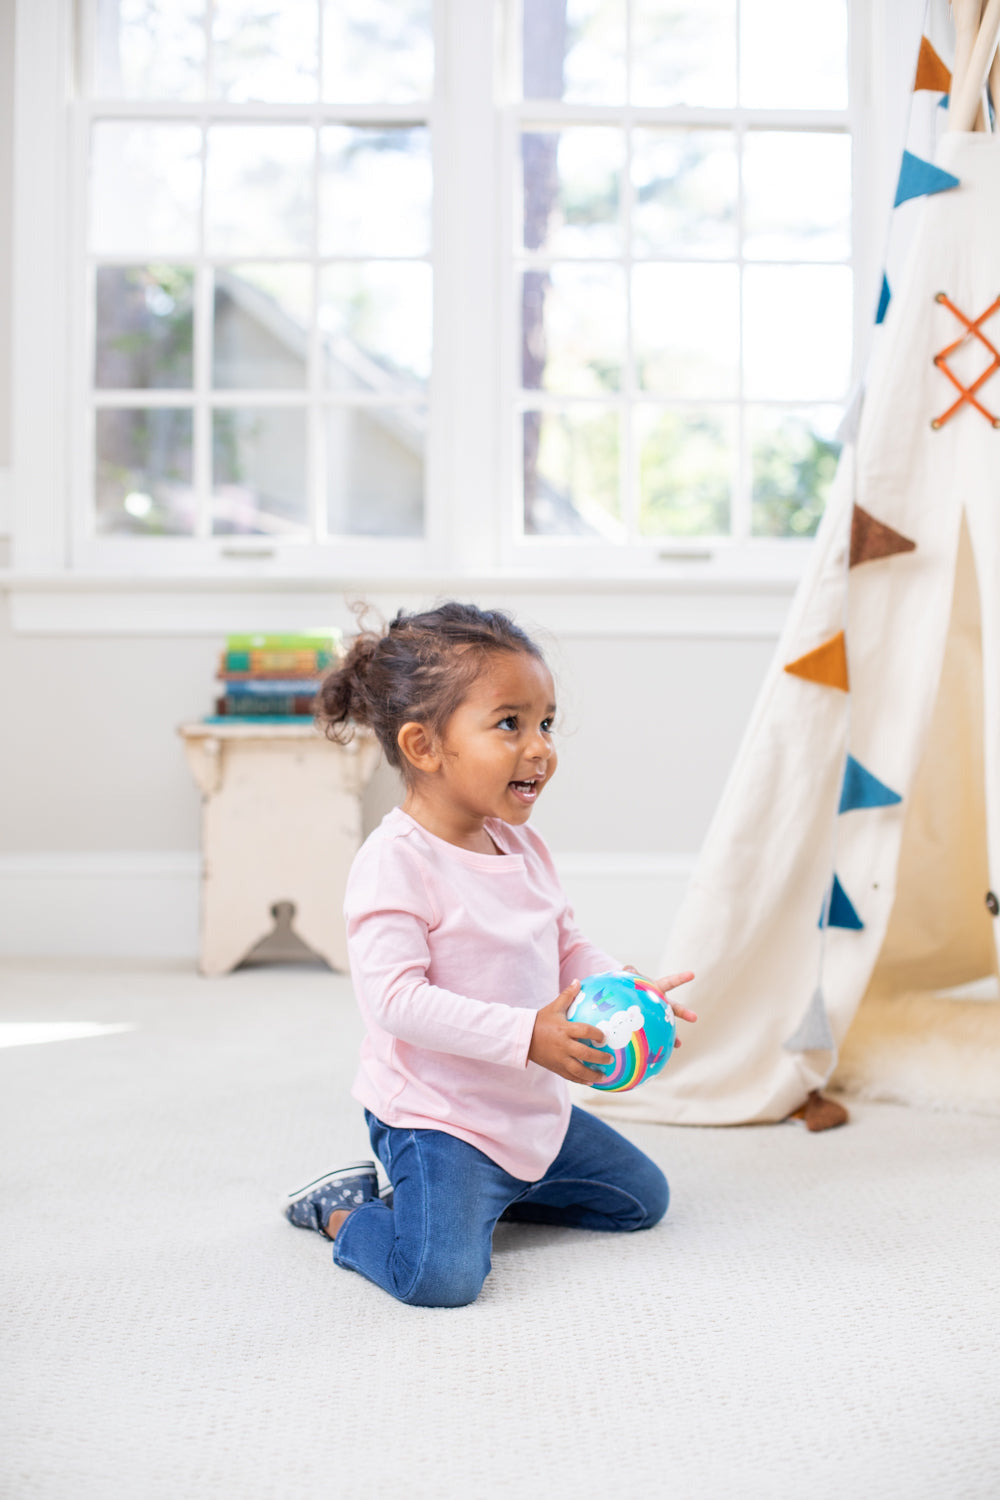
(967, 393)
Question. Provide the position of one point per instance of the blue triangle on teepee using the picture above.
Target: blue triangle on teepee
(861, 789)
(884, 298)
(813, 1032)
(944, 101)
(838, 911)
(917, 177)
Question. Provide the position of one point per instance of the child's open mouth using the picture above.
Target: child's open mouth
(524, 791)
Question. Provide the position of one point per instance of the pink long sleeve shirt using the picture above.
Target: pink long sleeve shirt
(452, 953)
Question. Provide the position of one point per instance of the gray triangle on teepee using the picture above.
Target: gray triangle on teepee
(813, 1032)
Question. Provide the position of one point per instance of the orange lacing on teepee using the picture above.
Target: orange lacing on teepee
(968, 392)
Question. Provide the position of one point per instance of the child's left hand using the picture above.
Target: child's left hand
(665, 985)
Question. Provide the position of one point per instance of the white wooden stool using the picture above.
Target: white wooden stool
(281, 821)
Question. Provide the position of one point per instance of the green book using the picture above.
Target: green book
(302, 640)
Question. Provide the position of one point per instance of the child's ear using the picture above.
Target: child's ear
(419, 747)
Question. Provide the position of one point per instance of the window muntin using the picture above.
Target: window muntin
(682, 265)
(258, 268)
(673, 186)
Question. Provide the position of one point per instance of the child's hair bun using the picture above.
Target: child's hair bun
(343, 698)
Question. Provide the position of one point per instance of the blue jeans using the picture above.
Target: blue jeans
(432, 1248)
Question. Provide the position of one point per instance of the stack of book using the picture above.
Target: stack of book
(272, 677)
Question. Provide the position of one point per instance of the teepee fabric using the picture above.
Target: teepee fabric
(909, 738)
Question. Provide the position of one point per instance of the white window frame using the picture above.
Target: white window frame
(470, 533)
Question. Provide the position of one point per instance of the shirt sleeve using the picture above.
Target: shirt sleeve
(389, 914)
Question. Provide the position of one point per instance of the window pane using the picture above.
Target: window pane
(793, 55)
(145, 49)
(145, 188)
(375, 191)
(573, 329)
(797, 332)
(264, 50)
(685, 321)
(376, 325)
(144, 327)
(686, 467)
(684, 53)
(571, 474)
(258, 196)
(143, 472)
(684, 192)
(574, 50)
(378, 51)
(797, 195)
(262, 318)
(794, 458)
(572, 190)
(259, 472)
(375, 470)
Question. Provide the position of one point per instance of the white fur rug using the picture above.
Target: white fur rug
(938, 1052)
(815, 1316)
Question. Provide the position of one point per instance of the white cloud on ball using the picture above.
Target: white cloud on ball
(618, 1028)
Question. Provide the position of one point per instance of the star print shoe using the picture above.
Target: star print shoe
(348, 1187)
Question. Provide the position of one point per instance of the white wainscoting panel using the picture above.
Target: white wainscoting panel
(145, 905)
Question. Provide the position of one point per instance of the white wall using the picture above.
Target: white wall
(99, 819)
(6, 106)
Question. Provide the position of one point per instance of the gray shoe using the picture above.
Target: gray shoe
(347, 1187)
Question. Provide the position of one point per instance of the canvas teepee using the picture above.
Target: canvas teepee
(859, 832)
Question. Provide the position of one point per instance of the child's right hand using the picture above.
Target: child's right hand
(561, 1045)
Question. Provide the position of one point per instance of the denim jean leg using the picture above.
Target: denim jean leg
(432, 1248)
(599, 1180)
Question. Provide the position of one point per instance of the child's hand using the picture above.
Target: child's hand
(670, 982)
(561, 1045)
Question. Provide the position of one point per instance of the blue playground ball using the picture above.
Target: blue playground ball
(638, 1026)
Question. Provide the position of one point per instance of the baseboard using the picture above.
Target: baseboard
(145, 905)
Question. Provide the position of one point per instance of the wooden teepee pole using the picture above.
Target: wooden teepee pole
(972, 64)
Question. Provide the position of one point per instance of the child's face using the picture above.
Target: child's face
(497, 746)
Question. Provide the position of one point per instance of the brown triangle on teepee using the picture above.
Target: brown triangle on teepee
(931, 71)
(826, 665)
(871, 538)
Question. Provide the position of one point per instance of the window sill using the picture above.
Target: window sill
(691, 598)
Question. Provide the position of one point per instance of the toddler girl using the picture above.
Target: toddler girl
(459, 935)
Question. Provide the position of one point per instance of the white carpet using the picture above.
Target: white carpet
(816, 1316)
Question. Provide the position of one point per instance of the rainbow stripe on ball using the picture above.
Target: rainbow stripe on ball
(629, 1066)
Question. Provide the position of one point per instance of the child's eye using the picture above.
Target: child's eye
(547, 725)
(509, 722)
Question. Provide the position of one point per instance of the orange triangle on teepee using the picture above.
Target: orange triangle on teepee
(826, 665)
(931, 71)
(871, 539)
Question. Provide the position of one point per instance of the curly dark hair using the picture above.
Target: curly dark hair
(419, 669)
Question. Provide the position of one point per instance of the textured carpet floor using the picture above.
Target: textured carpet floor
(816, 1315)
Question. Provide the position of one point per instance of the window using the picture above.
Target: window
(425, 288)
(257, 246)
(682, 266)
